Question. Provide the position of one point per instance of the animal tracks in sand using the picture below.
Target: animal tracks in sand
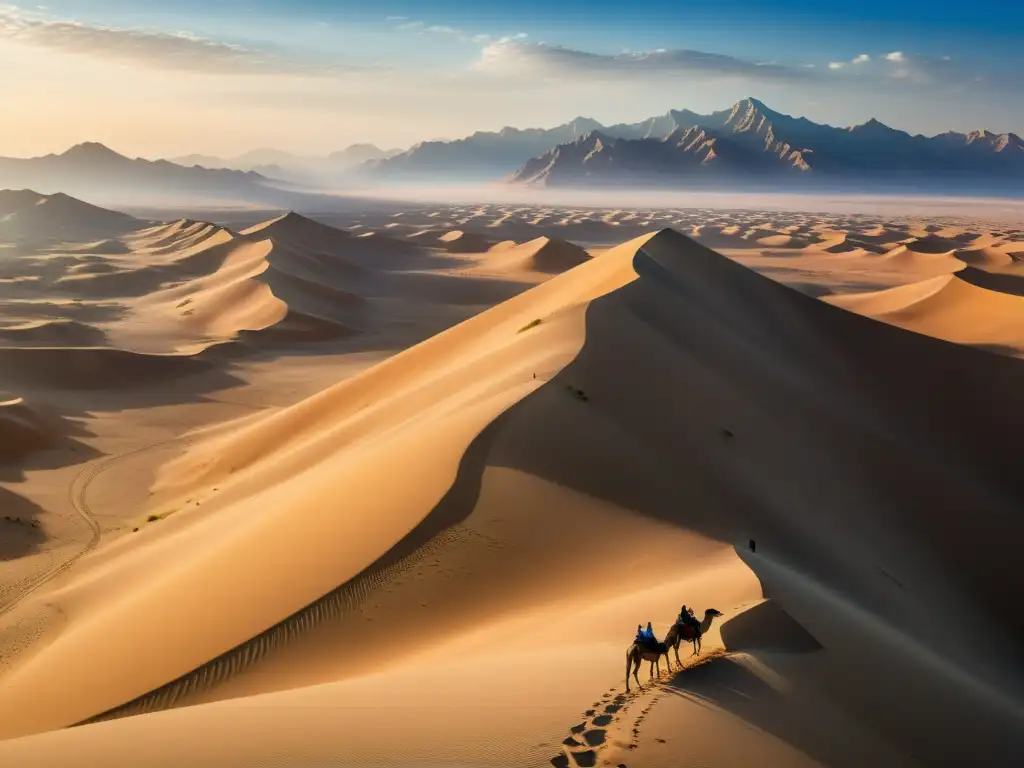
(605, 732)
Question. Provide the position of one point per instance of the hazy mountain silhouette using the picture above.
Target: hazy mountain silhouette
(276, 164)
(94, 171)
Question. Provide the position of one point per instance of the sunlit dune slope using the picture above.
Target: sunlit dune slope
(968, 307)
(544, 255)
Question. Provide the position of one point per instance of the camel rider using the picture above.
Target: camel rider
(640, 636)
(649, 633)
(686, 618)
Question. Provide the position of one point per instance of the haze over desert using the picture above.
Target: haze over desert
(496, 385)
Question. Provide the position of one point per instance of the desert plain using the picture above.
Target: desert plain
(396, 487)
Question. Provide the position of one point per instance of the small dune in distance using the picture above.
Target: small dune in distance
(395, 484)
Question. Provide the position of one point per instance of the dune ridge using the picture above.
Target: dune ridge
(966, 307)
(544, 255)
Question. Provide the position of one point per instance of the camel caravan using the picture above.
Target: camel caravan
(647, 648)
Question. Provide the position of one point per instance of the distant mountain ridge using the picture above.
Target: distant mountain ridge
(690, 152)
(746, 144)
(482, 156)
(91, 169)
(752, 143)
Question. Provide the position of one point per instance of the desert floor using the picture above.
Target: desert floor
(396, 488)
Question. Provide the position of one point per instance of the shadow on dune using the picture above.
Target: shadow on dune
(40, 436)
(767, 627)
(725, 684)
(814, 290)
(42, 308)
(993, 281)
(20, 534)
(878, 463)
(109, 379)
(1000, 349)
(65, 452)
(742, 409)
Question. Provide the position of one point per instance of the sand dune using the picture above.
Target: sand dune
(180, 238)
(25, 429)
(966, 307)
(457, 241)
(27, 215)
(542, 255)
(782, 241)
(659, 402)
(992, 257)
(107, 247)
(258, 285)
(930, 244)
(468, 531)
(906, 257)
(185, 286)
(298, 229)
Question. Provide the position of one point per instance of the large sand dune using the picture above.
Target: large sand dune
(543, 255)
(26, 215)
(441, 557)
(968, 307)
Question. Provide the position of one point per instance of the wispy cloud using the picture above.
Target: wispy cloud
(909, 69)
(406, 24)
(514, 55)
(157, 50)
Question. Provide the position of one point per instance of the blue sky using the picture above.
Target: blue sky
(228, 75)
(922, 24)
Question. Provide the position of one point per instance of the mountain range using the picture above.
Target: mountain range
(483, 156)
(751, 143)
(746, 146)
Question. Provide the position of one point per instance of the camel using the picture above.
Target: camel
(639, 651)
(680, 632)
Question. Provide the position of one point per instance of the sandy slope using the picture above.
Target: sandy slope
(577, 459)
(441, 558)
(27, 215)
(967, 307)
